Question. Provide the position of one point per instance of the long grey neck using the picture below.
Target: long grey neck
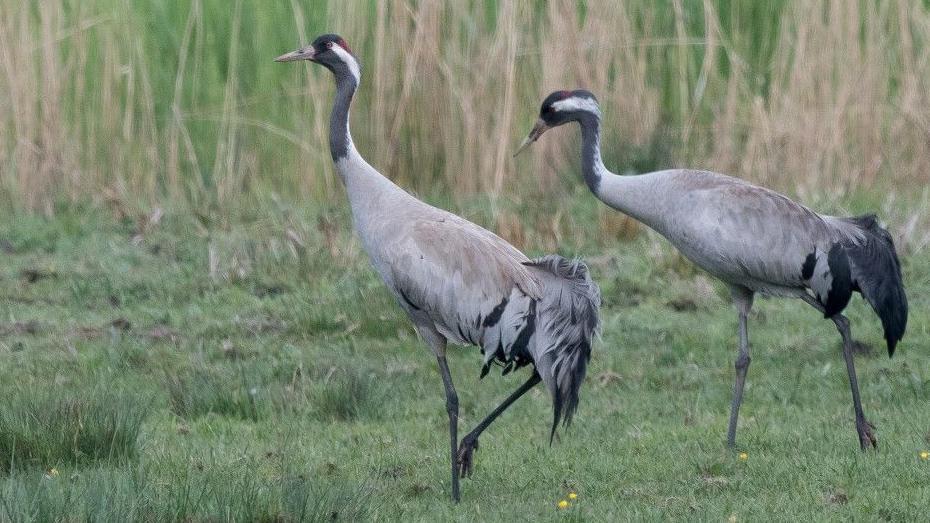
(340, 139)
(631, 195)
(368, 190)
(592, 167)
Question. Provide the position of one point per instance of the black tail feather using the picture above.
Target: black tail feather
(876, 273)
(569, 373)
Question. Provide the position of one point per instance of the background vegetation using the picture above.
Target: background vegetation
(151, 101)
(189, 331)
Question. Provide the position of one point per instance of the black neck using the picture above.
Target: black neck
(339, 138)
(591, 164)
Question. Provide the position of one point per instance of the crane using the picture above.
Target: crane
(753, 239)
(461, 283)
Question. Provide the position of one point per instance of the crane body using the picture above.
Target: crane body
(754, 239)
(459, 282)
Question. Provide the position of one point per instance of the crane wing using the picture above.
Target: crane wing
(743, 233)
(473, 285)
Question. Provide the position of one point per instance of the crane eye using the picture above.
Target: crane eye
(329, 45)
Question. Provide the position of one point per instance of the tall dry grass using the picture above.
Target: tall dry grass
(124, 100)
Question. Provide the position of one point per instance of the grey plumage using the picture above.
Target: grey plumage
(752, 238)
(568, 321)
(459, 282)
(476, 289)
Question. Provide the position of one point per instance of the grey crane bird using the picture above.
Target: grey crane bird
(754, 239)
(459, 282)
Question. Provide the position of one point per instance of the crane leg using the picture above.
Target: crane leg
(863, 427)
(742, 298)
(470, 441)
(452, 408)
(437, 343)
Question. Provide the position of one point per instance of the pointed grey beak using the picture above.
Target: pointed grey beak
(534, 135)
(306, 53)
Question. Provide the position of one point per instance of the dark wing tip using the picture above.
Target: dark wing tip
(556, 416)
(894, 318)
(894, 333)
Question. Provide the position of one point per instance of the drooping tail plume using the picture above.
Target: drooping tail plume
(568, 321)
(876, 273)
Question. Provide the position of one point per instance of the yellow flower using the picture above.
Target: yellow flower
(743, 456)
(732, 518)
(563, 504)
(53, 472)
(924, 455)
(572, 495)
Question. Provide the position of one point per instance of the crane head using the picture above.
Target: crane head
(330, 51)
(559, 108)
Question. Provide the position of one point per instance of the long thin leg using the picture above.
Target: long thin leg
(863, 428)
(452, 408)
(742, 298)
(470, 441)
(437, 343)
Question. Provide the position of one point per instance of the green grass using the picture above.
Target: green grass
(225, 373)
(44, 425)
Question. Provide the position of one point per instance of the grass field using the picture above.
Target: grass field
(154, 367)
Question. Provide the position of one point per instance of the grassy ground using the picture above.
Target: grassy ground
(170, 367)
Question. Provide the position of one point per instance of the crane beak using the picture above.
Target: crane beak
(306, 53)
(534, 135)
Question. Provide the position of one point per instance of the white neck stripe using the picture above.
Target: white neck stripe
(349, 61)
(576, 103)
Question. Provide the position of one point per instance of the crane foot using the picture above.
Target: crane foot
(867, 438)
(465, 461)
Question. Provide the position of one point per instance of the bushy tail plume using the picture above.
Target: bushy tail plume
(876, 273)
(568, 320)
